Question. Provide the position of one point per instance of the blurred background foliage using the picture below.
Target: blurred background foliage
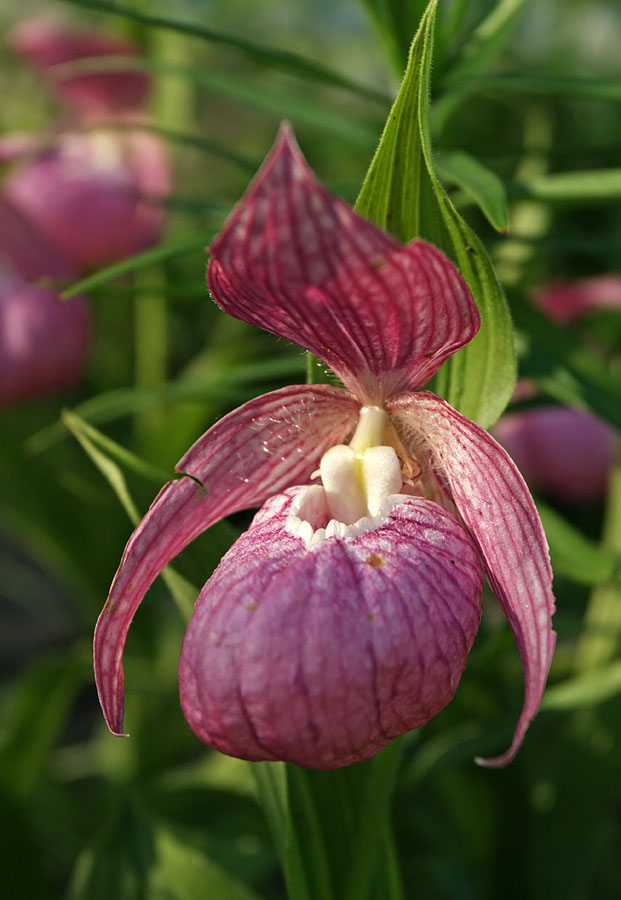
(526, 130)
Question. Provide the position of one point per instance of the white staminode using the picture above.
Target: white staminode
(357, 480)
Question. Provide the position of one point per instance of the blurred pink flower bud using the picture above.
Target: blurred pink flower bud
(567, 301)
(94, 191)
(94, 195)
(15, 145)
(43, 340)
(47, 46)
(563, 452)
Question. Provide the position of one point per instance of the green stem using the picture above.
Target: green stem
(602, 633)
(151, 340)
(318, 870)
(374, 826)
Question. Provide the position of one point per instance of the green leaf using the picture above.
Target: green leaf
(479, 183)
(35, 715)
(272, 57)
(596, 686)
(402, 194)
(103, 452)
(574, 555)
(477, 56)
(118, 864)
(395, 21)
(546, 85)
(183, 873)
(593, 186)
(564, 368)
(169, 250)
(287, 103)
(488, 40)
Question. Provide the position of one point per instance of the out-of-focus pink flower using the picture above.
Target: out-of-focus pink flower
(568, 301)
(564, 452)
(94, 191)
(345, 614)
(43, 340)
(88, 96)
(94, 195)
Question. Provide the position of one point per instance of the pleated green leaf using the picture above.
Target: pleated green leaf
(402, 194)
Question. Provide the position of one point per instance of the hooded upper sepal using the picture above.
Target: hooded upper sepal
(321, 651)
(265, 446)
(298, 261)
(496, 507)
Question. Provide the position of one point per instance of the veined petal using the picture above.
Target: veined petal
(297, 261)
(265, 446)
(495, 505)
(321, 656)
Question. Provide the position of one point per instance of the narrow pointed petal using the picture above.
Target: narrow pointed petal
(495, 505)
(265, 446)
(321, 656)
(297, 261)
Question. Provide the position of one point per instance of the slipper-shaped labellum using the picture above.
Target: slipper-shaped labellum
(344, 616)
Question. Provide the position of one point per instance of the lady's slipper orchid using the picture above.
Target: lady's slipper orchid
(43, 340)
(344, 616)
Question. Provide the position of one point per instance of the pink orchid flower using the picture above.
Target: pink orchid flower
(89, 95)
(568, 301)
(43, 340)
(344, 616)
(564, 452)
(94, 191)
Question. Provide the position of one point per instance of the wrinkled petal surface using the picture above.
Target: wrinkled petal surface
(44, 341)
(320, 657)
(94, 195)
(264, 447)
(47, 45)
(495, 505)
(567, 453)
(297, 261)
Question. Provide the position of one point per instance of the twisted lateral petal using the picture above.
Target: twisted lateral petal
(297, 261)
(496, 507)
(261, 448)
(321, 657)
